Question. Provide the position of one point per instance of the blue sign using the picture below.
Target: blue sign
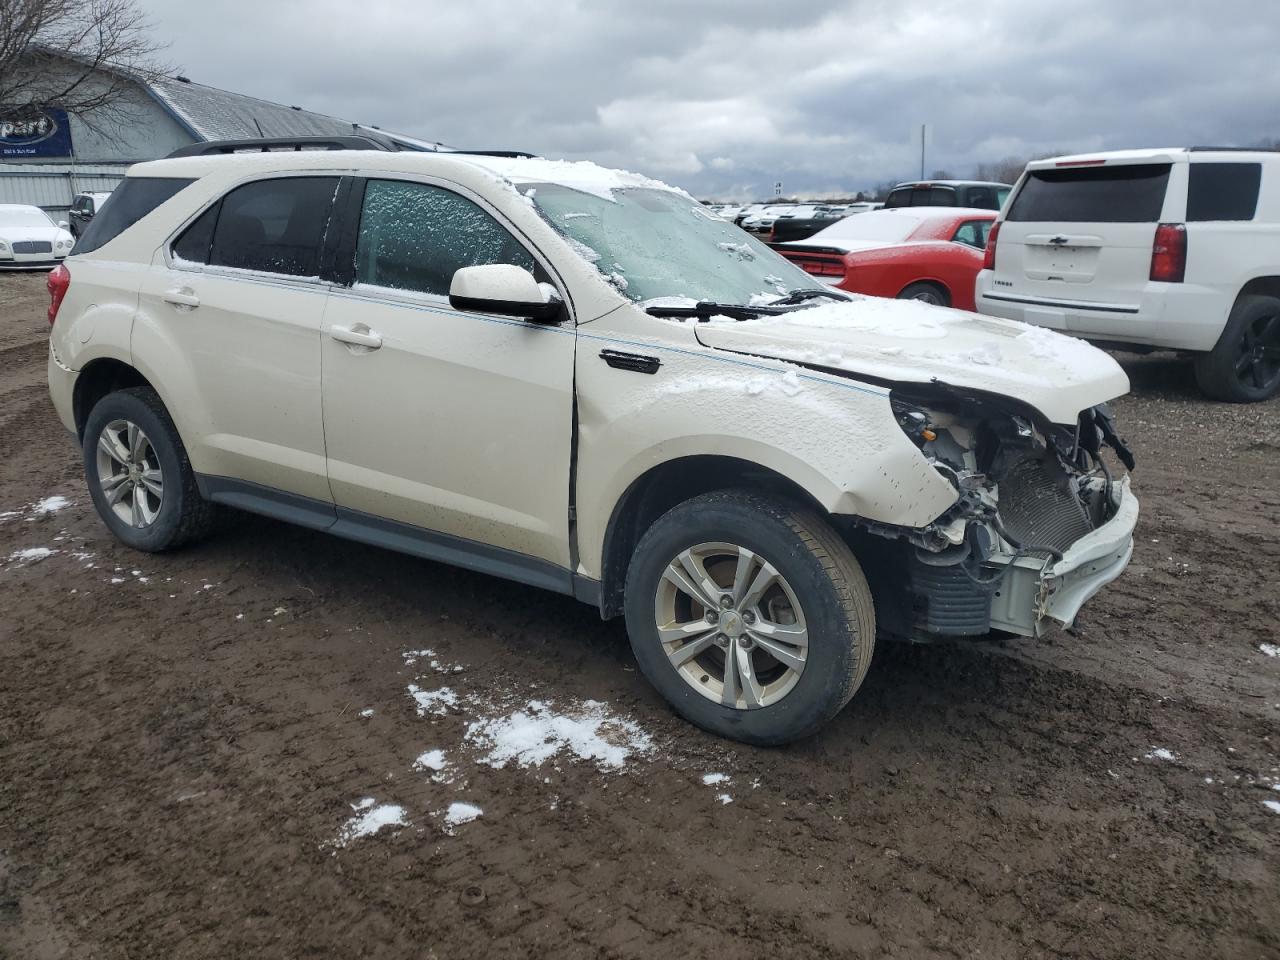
(34, 132)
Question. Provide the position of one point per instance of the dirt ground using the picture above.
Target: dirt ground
(184, 737)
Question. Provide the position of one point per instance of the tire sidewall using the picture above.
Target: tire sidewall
(1215, 370)
(124, 405)
(823, 687)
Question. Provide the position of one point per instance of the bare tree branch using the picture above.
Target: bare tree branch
(81, 56)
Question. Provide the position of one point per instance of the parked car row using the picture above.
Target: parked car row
(29, 239)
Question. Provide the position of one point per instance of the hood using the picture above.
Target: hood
(20, 233)
(905, 341)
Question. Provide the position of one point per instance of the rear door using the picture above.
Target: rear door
(237, 302)
(1083, 234)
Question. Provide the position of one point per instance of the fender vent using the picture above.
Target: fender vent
(1038, 506)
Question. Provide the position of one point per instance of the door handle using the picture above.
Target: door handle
(360, 336)
(182, 297)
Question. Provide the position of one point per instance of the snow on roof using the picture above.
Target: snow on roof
(215, 114)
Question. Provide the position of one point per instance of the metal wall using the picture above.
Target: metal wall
(52, 186)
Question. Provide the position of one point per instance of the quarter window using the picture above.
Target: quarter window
(414, 236)
(274, 226)
(1223, 191)
(973, 233)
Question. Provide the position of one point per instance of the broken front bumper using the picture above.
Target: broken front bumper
(1034, 591)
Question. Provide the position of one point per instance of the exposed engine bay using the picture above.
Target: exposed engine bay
(1027, 492)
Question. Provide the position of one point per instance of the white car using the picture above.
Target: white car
(1172, 249)
(582, 380)
(29, 239)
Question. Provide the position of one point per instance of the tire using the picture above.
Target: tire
(139, 517)
(1244, 366)
(822, 593)
(926, 292)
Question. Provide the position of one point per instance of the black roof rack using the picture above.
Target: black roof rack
(493, 153)
(1203, 149)
(273, 144)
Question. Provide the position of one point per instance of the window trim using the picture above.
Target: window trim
(350, 231)
(217, 270)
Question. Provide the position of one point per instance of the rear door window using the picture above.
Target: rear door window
(1223, 191)
(414, 236)
(1132, 193)
(899, 198)
(973, 233)
(130, 202)
(272, 226)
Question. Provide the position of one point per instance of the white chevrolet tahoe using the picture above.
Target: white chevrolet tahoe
(1173, 249)
(580, 379)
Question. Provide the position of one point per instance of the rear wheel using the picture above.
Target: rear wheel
(1244, 366)
(926, 292)
(750, 616)
(138, 474)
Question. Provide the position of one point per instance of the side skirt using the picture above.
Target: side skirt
(400, 537)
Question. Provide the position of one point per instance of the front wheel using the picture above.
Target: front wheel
(751, 616)
(1244, 366)
(138, 474)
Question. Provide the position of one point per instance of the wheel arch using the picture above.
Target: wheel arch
(940, 285)
(99, 377)
(664, 486)
(1261, 286)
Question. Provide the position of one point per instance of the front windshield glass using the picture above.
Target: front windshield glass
(654, 244)
(24, 217)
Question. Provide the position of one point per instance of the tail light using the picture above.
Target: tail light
(58, 283)
(1169, 253)
(989, 256)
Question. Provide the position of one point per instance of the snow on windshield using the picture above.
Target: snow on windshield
(655, 243)
(20, 216)
(872, 225)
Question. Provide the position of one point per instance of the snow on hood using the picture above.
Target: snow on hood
(911, 342)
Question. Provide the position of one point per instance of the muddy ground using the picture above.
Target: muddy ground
(183, 739)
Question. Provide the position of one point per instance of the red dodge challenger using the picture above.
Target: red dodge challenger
(912, 253)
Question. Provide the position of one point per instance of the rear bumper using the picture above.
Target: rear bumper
(1175, 316)
(1034, 593)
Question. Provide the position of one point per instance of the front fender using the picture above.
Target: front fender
(834, 437)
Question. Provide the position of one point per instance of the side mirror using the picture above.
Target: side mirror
(503, 289)
(63, 225)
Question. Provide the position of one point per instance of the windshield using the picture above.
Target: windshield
(24, 217)
(652, 243)
(872, 225)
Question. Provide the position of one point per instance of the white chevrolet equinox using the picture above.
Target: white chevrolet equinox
(580, 379)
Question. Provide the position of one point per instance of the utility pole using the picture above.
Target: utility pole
(922, 129)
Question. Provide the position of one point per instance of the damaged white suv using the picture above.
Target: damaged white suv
(580, 379)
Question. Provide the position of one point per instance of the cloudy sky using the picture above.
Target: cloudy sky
(724, 97)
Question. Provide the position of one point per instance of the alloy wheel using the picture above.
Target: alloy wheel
(1257, 365)
(731, 625)
(129, 473)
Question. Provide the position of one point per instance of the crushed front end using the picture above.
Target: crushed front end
(1040, 524)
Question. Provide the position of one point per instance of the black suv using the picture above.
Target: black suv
(83, 207)
(949, 193)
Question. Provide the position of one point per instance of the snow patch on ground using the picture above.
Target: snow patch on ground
(460, 813)
(31, 554)
(724, 798)
(1161, 753)
(711, 779)
(50, 504)
(437, 702)
(369, 819)
(535, 733)
(431, 760)
(1270, 649)
(1272, 805)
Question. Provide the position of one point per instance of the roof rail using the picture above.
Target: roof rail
(1204, 149)
(274, 144)
(494, 153)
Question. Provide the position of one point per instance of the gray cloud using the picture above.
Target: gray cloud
(725, 96)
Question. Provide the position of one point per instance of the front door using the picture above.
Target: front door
(452, 422)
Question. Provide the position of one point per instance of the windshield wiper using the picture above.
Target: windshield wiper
(704, 310)
(808, 293)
